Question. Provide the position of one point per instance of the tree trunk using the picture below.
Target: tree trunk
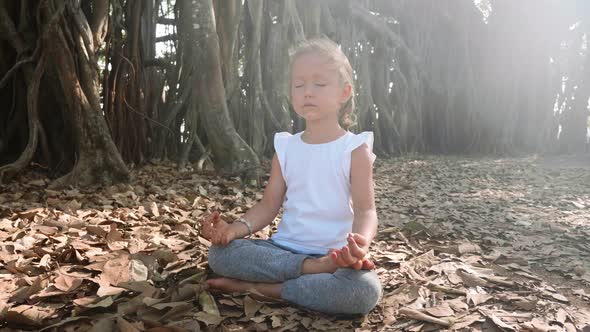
(75, 64)
(99, 22)
(124, 86)
(231, 154)
(228, 18)
(276, 73)
(256, 105)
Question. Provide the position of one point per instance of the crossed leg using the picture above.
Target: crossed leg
(315, 283)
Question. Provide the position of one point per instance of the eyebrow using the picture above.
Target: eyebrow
(314, 76)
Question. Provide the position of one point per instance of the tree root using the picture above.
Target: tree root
(10, 170)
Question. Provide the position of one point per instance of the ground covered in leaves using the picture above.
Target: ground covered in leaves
(464, 244)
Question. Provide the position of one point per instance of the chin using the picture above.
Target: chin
(310, 116)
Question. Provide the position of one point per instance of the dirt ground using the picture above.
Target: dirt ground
(464, 244)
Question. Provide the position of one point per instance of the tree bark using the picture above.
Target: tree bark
(276, 74)
(125, 86)
(98, 162)
(34, 126)
(99, 22)
(228, 18)
(231, 154)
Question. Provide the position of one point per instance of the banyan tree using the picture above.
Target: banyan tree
(90, 87)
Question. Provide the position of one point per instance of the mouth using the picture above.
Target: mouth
(309, 105)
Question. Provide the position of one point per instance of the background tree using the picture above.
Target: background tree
(65, 61)
(88, 85)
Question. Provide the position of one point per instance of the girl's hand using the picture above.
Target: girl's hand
(216, 230)
(354, 254)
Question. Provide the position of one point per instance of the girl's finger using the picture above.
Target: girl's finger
(215, 218)
(358, 265)
(341, 262)
(338, 259)
(360, 239)
(368, 264)
(206, 229)
(229, 236)
(209, 217)
(205, 225)
(347, 257)
(218, 238)
(334, 255)
(355, 250)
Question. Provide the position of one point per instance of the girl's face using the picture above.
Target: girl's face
(317, 91)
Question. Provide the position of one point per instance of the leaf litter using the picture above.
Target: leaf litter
(463, 244)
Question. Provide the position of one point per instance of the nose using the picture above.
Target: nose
(307, 90)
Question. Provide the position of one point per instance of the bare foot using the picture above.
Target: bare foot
(260, 291)
(323, 264)
(229, 285)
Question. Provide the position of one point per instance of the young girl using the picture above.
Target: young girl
(323, 179)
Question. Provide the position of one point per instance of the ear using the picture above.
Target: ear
(346, 93)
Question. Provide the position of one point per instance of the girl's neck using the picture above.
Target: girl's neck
(319, 133)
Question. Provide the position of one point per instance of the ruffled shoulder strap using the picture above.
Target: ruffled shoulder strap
(280, 143)
(366, 137)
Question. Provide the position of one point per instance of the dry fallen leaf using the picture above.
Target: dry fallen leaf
(153, 209)
(209, 319)
(134, 251)
(29, 315)
(67, 283)
(251, 306)
(442, 310)
(208, 304)
(477, 296)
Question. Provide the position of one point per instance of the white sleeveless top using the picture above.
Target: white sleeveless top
(318, 210)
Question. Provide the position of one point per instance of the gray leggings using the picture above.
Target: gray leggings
(345, 291)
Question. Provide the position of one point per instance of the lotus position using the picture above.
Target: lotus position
(323, 179)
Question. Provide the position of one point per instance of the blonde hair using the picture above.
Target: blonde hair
(331, 50)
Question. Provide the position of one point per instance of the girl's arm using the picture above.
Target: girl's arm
(364, 225)
(265, 211)
(363, 195)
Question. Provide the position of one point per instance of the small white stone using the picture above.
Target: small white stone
(196, 26)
